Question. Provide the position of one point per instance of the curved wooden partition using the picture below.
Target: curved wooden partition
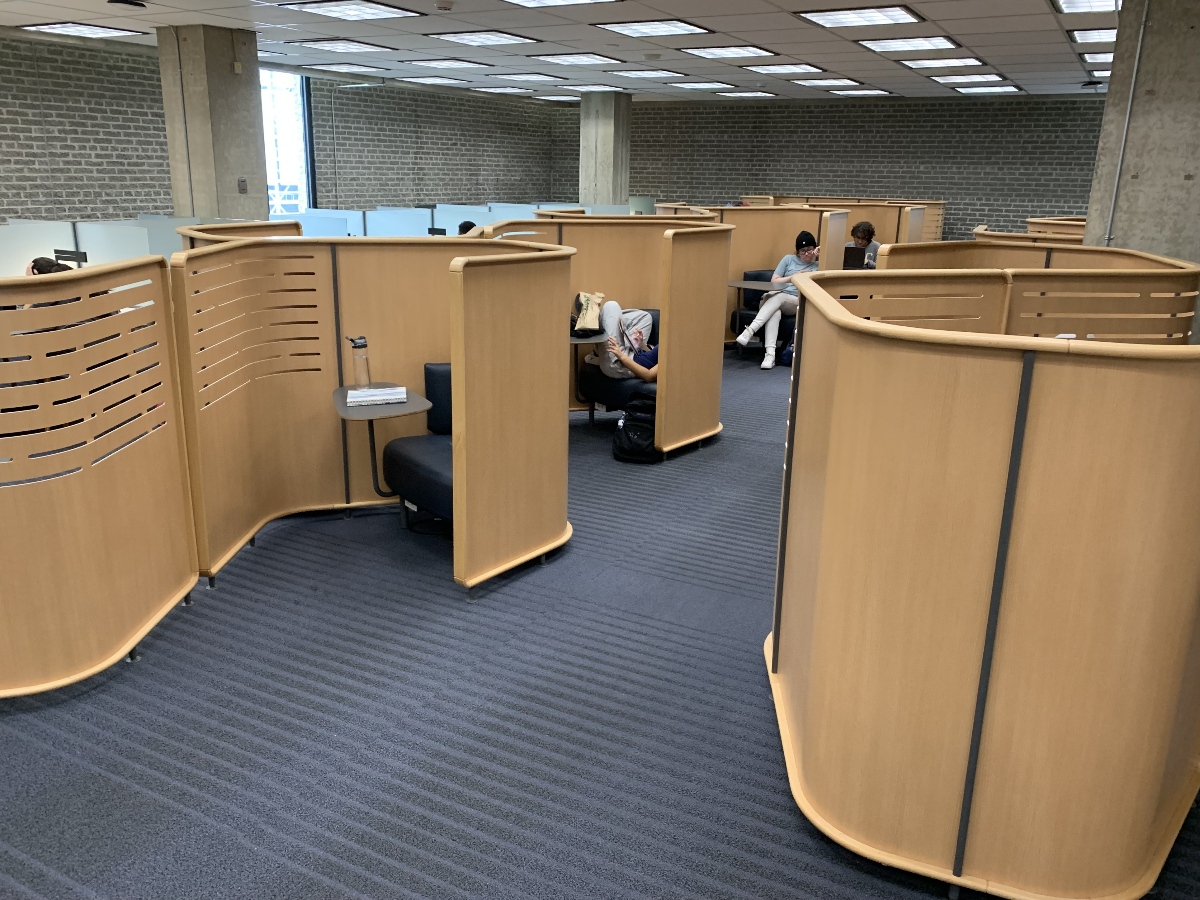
(260, 331)
(1023, 255)
(766, 234)
(986, 651)
(683, 209)
(923, 223)
(678, 266)
(981, 233)
(196, 236)
(1068, 225)
(95, 522)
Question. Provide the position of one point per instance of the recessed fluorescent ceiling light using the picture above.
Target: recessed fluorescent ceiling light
(826, 82)
(964, 79)
(654, 29)
(703, 85)
(850, 18)
(1005, 89)
(434, 79)
(1095, 36)
(342, 46)
(578, 59)
(1085, 6)
(647, 73)
(562, 98)
(941, 63)
(787, 69)
(727, 52)
(74, 29)
(1097, 57)
(447, 64)
(1102, 73)
(591, 88)
(866, 93)
(534, 4)
(903, 45)
(351, 10)
(345, 67)
(503, 90)
(744, 94)
(483, 38)
(532, 76)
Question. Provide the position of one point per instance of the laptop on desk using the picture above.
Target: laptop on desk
(854, 258)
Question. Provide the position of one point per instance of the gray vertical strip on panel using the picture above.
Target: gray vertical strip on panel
(337, 339)
(788, 456)
(989, 639)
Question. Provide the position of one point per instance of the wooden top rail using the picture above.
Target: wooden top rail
(1112, 313)
(1067, 225)
(195, 236)
(982, 233)
(1017, 254)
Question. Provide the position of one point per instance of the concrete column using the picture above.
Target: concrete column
(1157, 176)
(604, 148)
(213, 105)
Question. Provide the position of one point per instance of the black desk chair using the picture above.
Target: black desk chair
(741, 317)
(420, 469)
(593, 386)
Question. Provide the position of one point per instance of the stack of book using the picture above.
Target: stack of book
(375, 396)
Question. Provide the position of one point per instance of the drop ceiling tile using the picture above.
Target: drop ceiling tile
(963, 9)
(686, 9)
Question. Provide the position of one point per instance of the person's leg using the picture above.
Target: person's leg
(767, 307)
(640, 320)
(610, 321)
(788, 304)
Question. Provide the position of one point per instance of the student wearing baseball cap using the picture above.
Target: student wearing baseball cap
(785, 297)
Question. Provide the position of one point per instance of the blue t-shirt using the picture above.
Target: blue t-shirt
(789, 266)
(647, 358)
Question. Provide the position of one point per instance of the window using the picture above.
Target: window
(285, 129)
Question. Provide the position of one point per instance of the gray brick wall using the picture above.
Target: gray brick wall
(397, 147)
(993, 161)
(564, 153)
(82, 133)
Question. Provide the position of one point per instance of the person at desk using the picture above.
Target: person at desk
(863, 237)
(465, 226)
(626, 353)
(784, 298)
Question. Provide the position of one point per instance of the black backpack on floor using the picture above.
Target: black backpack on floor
(633, 440)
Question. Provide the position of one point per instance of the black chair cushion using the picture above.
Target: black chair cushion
(751, 299)
(611, 393)
(437, 391)
(421, 470)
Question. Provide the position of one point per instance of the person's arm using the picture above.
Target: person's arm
(778, 278)
(627, 361)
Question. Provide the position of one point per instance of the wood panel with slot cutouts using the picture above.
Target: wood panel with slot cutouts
(96, 541)
(256, 327)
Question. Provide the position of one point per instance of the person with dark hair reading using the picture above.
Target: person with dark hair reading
(784, 298)
(863, 237)
(465, 226)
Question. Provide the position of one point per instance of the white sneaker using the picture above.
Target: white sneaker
(768, 360)
(745, 337)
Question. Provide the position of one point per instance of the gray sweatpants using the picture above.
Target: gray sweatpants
(610, 315)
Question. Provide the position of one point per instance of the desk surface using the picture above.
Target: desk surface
(596, 339)
(753, 285)
(415, 404)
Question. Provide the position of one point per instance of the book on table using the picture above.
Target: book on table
(376, 396)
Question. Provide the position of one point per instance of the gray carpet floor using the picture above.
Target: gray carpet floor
(335, 721)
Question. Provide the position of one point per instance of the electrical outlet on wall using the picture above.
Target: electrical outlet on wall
(243, 187)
